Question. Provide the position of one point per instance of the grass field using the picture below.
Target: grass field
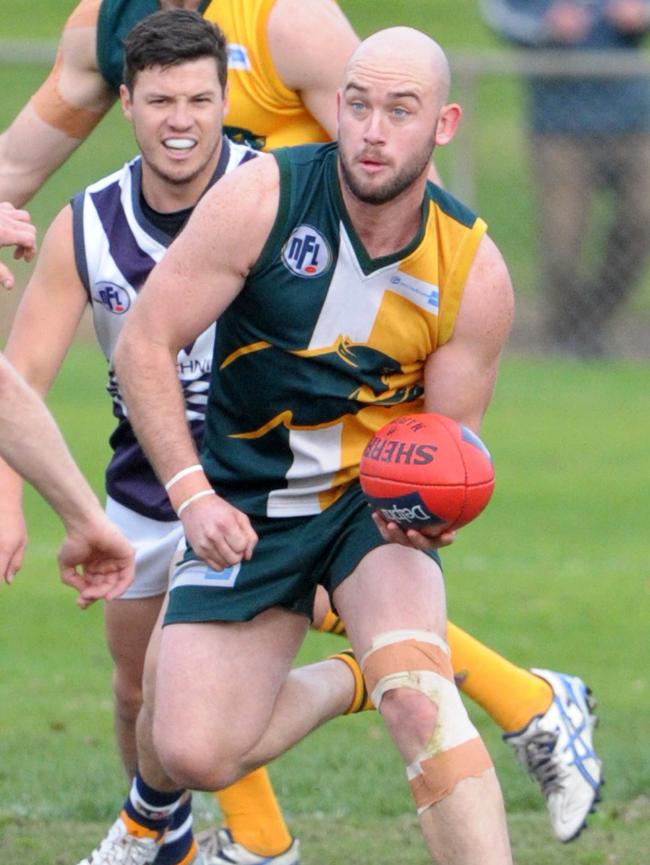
(554, 574)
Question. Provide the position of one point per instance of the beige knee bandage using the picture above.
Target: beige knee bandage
(420, 660)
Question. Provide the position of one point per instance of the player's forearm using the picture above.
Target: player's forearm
(74, 501)
(11, 484)
(30, 151)
(32, 444)
(17, 187)
(149, 384)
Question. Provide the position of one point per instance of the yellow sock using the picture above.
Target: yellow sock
(361, 701)
(252, 813)
(509, 694)
(332, 624)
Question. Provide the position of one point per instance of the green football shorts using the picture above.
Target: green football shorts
(292, 556)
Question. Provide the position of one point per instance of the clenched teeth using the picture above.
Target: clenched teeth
(179, 143)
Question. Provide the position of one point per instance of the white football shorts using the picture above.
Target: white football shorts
(158, 546)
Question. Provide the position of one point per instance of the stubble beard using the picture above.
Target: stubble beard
(179, 179)
(392, 187)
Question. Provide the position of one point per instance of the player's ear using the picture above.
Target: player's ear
(125, 99)
(448, 121)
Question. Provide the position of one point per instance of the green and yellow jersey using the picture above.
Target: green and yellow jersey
(262, 111)
(324, 345)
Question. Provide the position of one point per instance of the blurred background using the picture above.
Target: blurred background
(492, 164)
(554, 574)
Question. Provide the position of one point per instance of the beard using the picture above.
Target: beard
(174, 179)
(364, 191)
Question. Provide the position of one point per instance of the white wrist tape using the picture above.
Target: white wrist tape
(181, 474)
(193, 498)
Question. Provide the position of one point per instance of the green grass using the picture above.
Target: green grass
(553, 574)
(43, 19)
(619, 838)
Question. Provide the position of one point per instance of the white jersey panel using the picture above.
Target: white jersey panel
(347, 314)
(120, 251)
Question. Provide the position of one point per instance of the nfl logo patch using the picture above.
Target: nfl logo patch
(306, 253)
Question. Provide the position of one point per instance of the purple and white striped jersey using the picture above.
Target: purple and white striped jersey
(116, 246)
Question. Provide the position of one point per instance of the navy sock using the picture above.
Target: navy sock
(179, 840)
(150, 809)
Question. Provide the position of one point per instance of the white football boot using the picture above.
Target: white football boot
(219, 848)
(120, 848)
(557, 750)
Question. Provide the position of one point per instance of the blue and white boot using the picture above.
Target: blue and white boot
(219, 848)
(557, 750)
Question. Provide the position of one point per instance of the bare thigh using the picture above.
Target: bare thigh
(217, 683)
(393, 588)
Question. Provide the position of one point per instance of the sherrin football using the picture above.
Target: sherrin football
(427, 470)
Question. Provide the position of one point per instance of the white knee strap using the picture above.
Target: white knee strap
(420, 660)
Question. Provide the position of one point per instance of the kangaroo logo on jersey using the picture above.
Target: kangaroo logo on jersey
(306, 253)
(113, 297)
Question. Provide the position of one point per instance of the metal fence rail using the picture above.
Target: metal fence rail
(491, 167)
(27, 51)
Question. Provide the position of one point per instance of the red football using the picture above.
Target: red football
(427, 469)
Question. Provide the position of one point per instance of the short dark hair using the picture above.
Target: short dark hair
(170, 37)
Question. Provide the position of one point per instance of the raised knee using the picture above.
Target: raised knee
(187, 768)
(193, 768)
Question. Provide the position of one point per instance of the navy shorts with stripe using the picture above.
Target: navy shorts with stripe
(292, 556)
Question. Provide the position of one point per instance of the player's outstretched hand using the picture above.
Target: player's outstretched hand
(97, 561)
(220, 534)
(427, 538)
(16, 230)
(13, 540)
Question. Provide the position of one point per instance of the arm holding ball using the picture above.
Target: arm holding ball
(461, 374)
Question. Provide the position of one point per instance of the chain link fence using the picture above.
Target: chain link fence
(570, 211)
(573, 222)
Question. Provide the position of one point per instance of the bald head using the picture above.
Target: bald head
(407, 53)
(393, 112)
